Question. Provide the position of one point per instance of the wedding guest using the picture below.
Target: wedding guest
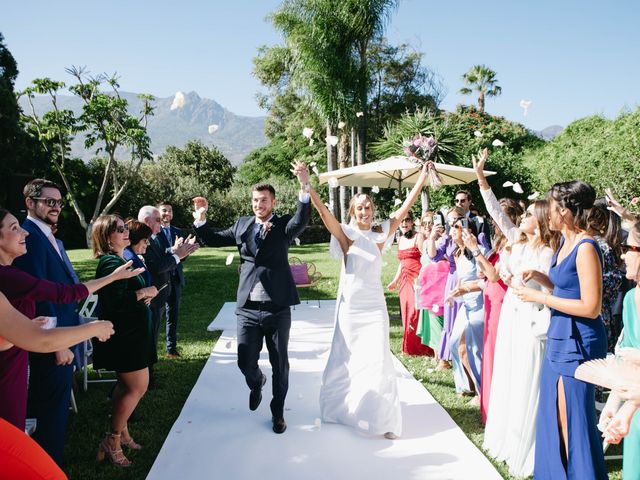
(359, 386)
(23, 291)
(409, 245)
(464, 201)
(494, 290)
(20, 456)
(430, 285)
(440, 246)
(51, 375)
(520, 339)
(125, 303)
(467, 334)
(567, 440)
(623, 422)
(171, 237)
(606, 227)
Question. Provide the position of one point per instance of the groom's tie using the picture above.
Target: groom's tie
(258, 236)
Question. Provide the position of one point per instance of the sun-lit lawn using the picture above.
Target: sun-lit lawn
(210, 283)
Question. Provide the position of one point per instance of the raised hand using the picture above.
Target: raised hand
(300, 170)
(478, 167)
(469, 239)
(123, 272)
(200, 206)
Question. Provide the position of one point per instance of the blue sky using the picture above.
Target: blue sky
(570, 58)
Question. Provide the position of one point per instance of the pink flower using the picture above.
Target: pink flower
(635, 200)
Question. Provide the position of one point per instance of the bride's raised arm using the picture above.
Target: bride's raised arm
(397, 216)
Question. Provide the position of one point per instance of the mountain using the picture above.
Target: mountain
(550, 132)
(235, 138)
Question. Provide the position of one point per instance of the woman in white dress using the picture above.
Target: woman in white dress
(359, 386)
(521, 337)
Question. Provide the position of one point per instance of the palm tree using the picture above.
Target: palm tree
(483, 80)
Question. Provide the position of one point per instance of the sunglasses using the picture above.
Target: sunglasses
(629, 248)
(122, 228)
(50, 202)
(406, 220)
(460, 200)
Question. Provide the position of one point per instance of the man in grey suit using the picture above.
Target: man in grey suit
(266, 289)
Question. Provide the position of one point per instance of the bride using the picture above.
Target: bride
(359, 386)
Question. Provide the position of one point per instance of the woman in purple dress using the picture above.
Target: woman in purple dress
(23, 291)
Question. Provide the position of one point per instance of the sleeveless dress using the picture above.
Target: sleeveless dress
(445, 251)
(571, 341)
(631, 338)
(431, 283)
(359, 386)
(409, 271)
(494, 293)
(470, 323)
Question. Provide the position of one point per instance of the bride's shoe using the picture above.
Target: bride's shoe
(129, 442)
(390, 436)
(115, 455)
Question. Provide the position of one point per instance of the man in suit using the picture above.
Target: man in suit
(51, 375)
(162, 262)
(171, 237)
(462, 200)
(266, 289)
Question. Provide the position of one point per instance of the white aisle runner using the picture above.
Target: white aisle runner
(216, 436)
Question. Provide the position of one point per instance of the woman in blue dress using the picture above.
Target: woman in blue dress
(568, 444)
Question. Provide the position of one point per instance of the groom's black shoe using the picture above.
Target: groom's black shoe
(255, 397)
(279, 425)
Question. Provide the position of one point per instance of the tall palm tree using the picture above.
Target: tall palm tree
(482, 80)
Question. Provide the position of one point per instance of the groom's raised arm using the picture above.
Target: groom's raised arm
(207, 234)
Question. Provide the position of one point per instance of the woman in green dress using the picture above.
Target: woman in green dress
(126, 304)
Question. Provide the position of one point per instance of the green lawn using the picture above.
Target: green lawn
(210, 283)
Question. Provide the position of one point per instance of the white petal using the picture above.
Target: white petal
(307, 132)
(341, 125)
(297, 241)
(178, 101)
(497, 143)
(533, 196)
(525, 105)
(310, 141)
(517, 188)
(213, 128)
(229, 260)
(397, 201)
(315, 170)
(507, 184)
(332, 140)
(312, 164)
(333, 182)
(359, 114)
(477, 133)
(375, 189)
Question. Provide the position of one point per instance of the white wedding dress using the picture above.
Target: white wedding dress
(359, 386)
(520, 344)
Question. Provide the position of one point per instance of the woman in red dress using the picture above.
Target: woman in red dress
(409, 248)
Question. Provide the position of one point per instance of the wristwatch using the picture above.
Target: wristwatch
(476, 252)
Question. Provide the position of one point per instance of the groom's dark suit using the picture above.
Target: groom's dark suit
(271, 320)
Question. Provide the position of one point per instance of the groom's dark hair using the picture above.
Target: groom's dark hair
(261, 187)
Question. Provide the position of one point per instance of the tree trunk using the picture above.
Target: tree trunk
(344, 191)
(331, 165)
(481, 102)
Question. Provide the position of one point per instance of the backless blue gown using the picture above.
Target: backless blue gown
(571, 341)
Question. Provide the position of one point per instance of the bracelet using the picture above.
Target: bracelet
(476, 252)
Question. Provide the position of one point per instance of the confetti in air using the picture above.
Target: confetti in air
(296, 241)
(517, 188)
(341, 125)
(307, 132)
(178, 101)
(533, 196)
(507, 184)
(477, 133)
(332, 140)
(375, 189)
(497, 143)
(315, 170)
(333, 182)
(229, 259)
(359, 114)
(397, 202)
(525, 104)
(213, 128)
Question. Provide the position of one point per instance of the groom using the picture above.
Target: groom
(266, 289)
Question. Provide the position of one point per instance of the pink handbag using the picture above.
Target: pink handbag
(432, 280)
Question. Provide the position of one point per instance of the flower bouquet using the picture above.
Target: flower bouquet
(420, 150)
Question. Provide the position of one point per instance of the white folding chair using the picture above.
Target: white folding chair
(86, 315)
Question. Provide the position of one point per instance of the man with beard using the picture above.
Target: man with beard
(51, 374)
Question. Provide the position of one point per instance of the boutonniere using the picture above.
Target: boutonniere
(265, 228)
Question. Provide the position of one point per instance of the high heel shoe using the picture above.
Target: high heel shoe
(115, 455)
(129, 442)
